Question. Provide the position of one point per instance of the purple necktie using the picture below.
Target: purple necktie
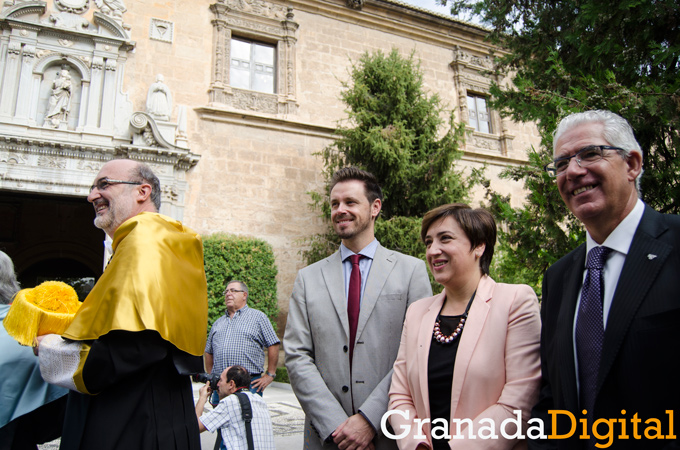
(353, 302)
(590, 328)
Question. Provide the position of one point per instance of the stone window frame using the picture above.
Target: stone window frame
(473, 77)
(252, 64)
(262, 21)
(476, 96)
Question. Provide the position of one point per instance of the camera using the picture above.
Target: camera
(212, 378)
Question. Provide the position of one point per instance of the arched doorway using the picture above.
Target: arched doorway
(51, 238)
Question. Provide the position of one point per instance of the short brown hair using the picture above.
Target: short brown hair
(371, 186)
(477, 224)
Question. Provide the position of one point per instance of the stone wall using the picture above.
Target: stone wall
(256, 167)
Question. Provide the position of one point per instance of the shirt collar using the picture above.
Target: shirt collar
(368, 251)
(620, 239)
(238, 311)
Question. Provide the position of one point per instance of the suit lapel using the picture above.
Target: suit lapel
(564, 335)
(643, 264)
(334, 278)
(468, 340)
(382, 265)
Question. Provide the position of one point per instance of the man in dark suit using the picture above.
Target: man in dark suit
(340, 359)
(610, 330)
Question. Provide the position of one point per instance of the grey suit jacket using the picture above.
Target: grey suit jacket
(316, 341)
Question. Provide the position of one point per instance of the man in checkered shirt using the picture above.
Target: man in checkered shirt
(240, 337)
(227, 414)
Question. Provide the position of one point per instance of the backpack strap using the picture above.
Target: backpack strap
(247, 415)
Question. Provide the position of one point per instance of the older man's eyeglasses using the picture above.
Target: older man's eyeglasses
(233, 291)
(104, 183)
(584, 157)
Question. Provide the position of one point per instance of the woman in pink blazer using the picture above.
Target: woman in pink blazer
(469, 357)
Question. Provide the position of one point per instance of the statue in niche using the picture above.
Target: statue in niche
(114, 8)
(159, 99)
(60, 100)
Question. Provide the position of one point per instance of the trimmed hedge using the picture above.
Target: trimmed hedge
(282, 375)
(229, 257)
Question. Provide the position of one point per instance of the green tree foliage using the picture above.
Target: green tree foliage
(574, 55)
(403, 235)
(393, 131)
(228, 257)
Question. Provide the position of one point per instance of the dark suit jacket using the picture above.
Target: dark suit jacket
(640, 362)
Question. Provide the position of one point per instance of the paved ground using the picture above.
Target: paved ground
(287, 419)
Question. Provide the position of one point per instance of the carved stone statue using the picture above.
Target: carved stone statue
(159, 99)
(60, 100)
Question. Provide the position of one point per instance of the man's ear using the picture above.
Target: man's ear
(376, 206)
(634, 165)
(143, 192)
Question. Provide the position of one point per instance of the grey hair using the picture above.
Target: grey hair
(617, 132)
(142, 172)
(8, 280)
(243, 285)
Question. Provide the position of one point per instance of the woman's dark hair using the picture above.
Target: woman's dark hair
(477, 224)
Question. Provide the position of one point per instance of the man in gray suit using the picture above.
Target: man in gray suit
(342, 383)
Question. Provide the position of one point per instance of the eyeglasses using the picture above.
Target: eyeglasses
(104, 183)
(233, 291)
(584, 157)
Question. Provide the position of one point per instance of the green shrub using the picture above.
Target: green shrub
(282, 375)
(228, 257)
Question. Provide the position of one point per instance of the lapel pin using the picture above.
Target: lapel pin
(651, 256)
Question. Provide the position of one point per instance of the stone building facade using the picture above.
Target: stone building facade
(227, 100)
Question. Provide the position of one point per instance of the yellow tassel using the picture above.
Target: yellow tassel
(46, 309)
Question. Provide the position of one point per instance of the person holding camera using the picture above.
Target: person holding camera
(240, 428)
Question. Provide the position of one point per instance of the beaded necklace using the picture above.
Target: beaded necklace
(447, 339)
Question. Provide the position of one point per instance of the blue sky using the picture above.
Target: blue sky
(433, 6)
(429, 4)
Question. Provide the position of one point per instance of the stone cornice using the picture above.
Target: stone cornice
(252, 119)
(297, 127)
(491, 158)
(401, 20)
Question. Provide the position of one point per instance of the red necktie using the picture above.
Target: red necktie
(353, 302)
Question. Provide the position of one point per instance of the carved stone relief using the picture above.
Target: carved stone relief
(486, 143)
(258, 7)
(161, 30)
(72, 6)
(52, 162)
(113, 8)
(66, 21)
(355, 4)
(254, 101)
